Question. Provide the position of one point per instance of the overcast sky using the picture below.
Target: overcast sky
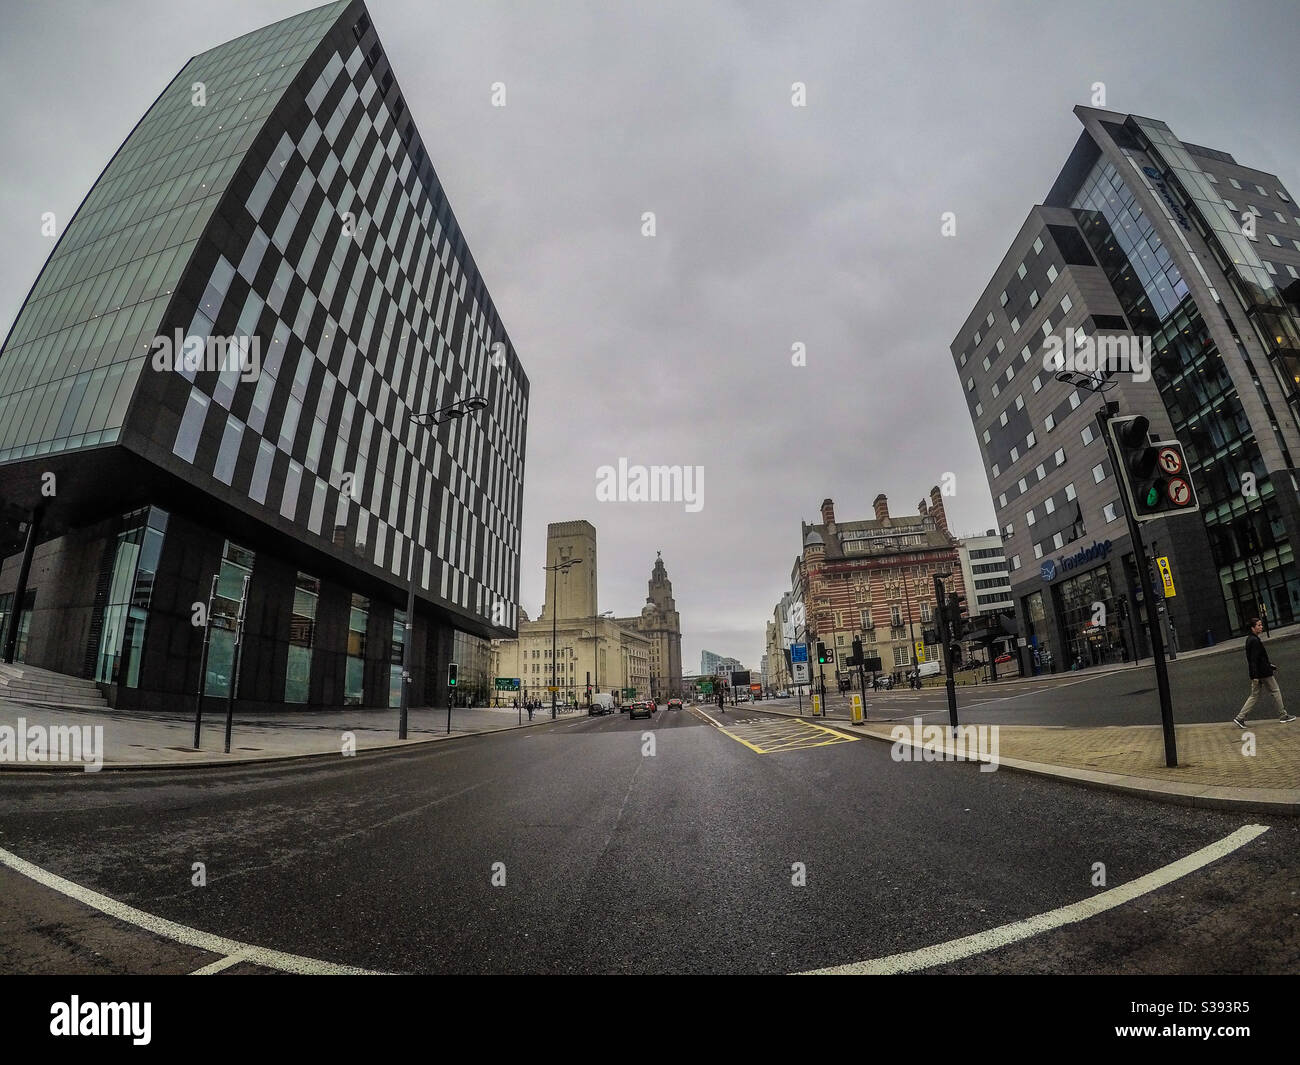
(776, 225)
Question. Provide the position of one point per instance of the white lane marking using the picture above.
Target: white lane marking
(218, 965)
(192, 937)
(980, 942)
(1038, 691)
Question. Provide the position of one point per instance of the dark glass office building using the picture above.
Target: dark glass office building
(1144, 237)
(214, 376)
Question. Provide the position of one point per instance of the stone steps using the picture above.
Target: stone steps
(30, 685)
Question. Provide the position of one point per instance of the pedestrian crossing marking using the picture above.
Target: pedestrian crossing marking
(772, 737)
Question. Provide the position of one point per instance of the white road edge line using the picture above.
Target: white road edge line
(218, 965)
(193, 937)
(980, 942)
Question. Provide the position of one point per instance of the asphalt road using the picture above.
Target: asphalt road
(618, 860)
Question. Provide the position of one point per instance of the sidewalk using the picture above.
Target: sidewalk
(1286, 632)
(160, 741)
(1219, 765)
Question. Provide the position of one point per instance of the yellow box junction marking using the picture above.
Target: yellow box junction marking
(772, 737)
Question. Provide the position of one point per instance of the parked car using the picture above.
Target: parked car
(641, 709)
(674, 704)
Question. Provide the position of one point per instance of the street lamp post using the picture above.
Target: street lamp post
(451, 412)
(911, 630)
(553, 570)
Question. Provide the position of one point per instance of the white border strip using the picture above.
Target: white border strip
(232, 949)
(980, 942)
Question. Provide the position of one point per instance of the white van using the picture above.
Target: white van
(928, 669)
(601, 703)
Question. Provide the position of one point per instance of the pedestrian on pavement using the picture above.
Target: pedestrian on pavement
(1261, 676)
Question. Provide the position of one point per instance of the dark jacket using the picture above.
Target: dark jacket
(1257, 659)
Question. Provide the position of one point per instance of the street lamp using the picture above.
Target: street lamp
(566, 565)
(428, 419)
(911, 630)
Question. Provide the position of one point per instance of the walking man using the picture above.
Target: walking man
(1261, 676)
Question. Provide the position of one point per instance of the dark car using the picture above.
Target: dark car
(674, 704)
(641, 709)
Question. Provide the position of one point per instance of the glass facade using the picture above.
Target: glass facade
(1198, 393)
(276, 199)
(1038, 632)
(70, 365)
(396, 649)
(348, 274)
(126, 613)
(473, 657)
(1088, 611)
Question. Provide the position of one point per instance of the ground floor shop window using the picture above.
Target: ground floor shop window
(354, 690)
(130, 589)
(236, 564)
(1088, 610)
(302, 638)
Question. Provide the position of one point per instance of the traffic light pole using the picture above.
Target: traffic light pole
(1154, 625)
(945, 636)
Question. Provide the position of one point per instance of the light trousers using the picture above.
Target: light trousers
(1270, 685)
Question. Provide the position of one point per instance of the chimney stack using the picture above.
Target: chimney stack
(921, 506)
(828, 512)
(936, 509)
(881, 505)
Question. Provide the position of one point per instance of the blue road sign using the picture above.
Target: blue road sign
(798, 652)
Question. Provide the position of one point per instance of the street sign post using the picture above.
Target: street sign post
(798, 653)
(1166, 575)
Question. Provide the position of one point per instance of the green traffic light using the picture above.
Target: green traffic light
(1153, 496)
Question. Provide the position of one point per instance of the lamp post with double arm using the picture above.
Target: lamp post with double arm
(429, 419)
(566, 565)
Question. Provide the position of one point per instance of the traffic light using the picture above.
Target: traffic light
(857, 650)
(451, 675)
(1154, 474)
(956, 623)
(930, 636)
(821, 653)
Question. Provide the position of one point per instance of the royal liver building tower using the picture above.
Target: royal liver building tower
(662, 625)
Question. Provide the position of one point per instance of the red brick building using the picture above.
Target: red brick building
(875, 579)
